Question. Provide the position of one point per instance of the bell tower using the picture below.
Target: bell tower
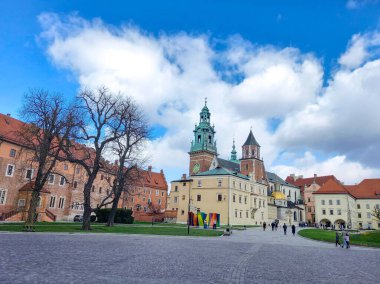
(203, 147)
(251, 163)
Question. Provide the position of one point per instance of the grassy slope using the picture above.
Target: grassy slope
(123, 229)
(369, 238)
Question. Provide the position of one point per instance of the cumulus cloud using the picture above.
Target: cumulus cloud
(246, 85)
(345, 170)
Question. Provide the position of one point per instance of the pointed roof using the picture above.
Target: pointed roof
(251, 140)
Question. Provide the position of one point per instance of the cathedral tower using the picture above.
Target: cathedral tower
(203, 147)
(251, 163)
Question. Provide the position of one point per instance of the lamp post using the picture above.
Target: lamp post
(188, 213)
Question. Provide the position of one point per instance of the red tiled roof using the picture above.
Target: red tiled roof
(152, 180)
(302, 182)
(367, 189)
(9, 127)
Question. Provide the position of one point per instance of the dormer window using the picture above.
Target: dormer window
(12, 153)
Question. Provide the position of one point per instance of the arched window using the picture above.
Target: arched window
(199, 139)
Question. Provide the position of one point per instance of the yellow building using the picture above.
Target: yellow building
(234, 189)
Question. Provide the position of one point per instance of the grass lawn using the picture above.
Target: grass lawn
(367, 238)
(69, 227)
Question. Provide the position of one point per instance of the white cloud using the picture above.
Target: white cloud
(360, 49)
(347, 171)
(246, 85)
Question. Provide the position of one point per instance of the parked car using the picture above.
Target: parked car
(78, 218)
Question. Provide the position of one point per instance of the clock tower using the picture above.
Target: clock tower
(203, 147)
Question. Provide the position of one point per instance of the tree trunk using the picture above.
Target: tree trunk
(111, 216)
(29, 224)
(86, 225)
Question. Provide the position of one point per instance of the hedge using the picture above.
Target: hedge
(123, 216)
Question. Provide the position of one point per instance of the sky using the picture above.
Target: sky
(304, 75)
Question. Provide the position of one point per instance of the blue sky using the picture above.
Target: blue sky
(318, 33)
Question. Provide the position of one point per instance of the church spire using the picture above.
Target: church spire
(233, 152)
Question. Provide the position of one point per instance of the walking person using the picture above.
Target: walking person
(347, 239)
(264, 226)
(343, 240)
(293, 230)
(275, 226)
(337, 239)
(285, 228)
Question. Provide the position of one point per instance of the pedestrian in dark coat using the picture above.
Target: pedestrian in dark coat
(272, 226)
(293, 230)
(285, 228)
(264, 226)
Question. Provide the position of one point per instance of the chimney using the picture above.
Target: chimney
(8, 114)
(149, 168)
(183, 176)
(162, 171)
(315, 175)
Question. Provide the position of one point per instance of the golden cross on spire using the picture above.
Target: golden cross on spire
(205, 101)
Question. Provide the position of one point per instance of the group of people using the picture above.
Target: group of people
(274, 226)
(345, 240)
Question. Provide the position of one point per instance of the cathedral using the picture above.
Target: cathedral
(226, 191)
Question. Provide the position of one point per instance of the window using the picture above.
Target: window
(29, 174)
(61, 202)
(369, 215)
(308, 209)
(240, 214)
(149, 201)
(367, 206)
(219, 183)
(330, 202)
(323, 212)
(323, 202)
(234, 198)
(245, 199)
(176, 188)
(108, 192)
(263, 203)
(75, 184)
(359, 215)
(239, 198)
(51, 178)
(308, 199)
(235, 213)
(21, 203)
(338, 202)
(157, 193)
(93, 188)
(199, 197)
(52, 202)
(12, 153)
(339, 212)
(220, 197)
(101, 177)
(233, 184)
(145, 209)
(182, 212)
(100, 190)
(62, 181)
(77, 170)
(259, 203)
(358, 206)
(199, 183)
(132, 200)
(175, 199)
(159, 201)
(3, 196)
(183, 197)
(65, 167)
(331, 212)
(162, 193)
(246, 214)
(10, 170)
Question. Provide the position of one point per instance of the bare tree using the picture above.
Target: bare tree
(104, 116)
(128, 149)
(49, 122)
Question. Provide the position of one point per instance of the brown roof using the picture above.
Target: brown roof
(367, 189)
(9, 127)
(29, 187)
(302, 182)
(153, 180)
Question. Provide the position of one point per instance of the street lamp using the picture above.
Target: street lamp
(188, 213)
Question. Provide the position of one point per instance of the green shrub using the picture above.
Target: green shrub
(123, 216)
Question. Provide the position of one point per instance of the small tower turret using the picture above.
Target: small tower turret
(234, 153)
